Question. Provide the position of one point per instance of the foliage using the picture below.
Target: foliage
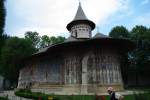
(56, 40)
(2, 16)
(33, 37)
(2, 23)
(13, 51)
(139, 59)
(45, 41)
(4, 98)
(140, 32)
(33, 95)
(119, 32)
(41, 42)
(2, 41)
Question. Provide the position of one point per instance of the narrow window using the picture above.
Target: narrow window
(75, 33)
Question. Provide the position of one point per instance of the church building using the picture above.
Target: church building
(81, 65)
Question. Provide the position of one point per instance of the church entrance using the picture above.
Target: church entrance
(89, 84)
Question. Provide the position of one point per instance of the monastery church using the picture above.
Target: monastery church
(81, 65)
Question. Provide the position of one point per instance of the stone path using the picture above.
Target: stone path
(11, 95)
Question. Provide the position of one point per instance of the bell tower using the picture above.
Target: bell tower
(81, 27)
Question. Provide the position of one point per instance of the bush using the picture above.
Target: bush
(26, 93)
(24, 90)
(42, 96)
(3, 98)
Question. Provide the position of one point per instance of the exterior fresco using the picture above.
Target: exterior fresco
(96, 67)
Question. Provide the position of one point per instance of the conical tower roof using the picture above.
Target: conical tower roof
(80, 15)
(80, 18)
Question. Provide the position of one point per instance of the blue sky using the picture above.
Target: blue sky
(50, 17)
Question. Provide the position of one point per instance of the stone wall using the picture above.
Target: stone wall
(83, 71)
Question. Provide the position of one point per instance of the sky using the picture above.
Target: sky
(50, 17)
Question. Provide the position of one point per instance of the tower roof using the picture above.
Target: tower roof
(80, 18)
(80, 15)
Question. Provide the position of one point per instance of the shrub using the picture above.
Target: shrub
(4, 98)
(26, 93)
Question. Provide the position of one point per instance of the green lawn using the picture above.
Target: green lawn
(129, 97)
(35, 95)
(92, 97)
(89, 97)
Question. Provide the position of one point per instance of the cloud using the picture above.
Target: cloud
(51, 16)
(145, 2)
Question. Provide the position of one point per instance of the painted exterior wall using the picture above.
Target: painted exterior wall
(82, 71)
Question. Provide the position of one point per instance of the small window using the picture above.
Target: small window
(75, 33)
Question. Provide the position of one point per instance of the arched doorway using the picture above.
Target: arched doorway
(88, 74)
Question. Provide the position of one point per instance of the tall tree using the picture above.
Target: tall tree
(137, 61)
(139, 32)
(56, 40)
(45, 41)
(2, 16)
(60, 39)
(34, 38)
(13, 51)
(2, 22)
(140, 57)
(119, 32)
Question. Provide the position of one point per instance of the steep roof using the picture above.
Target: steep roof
(80, 15)
(80, 18)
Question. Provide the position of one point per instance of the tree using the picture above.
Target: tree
(45, 41)
(2, 16)
(141, 36)
(140, 32)
(60, 39)
(138, 60)
(2, 23)
(119, 32)
(141, 55)
(40, 42)
(14, 50)
(34, 38)
(56, 40)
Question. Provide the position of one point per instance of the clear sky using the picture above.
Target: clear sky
(50, 17)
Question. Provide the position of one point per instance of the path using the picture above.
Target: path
(11, 95)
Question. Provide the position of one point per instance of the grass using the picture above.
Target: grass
(36, 95)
